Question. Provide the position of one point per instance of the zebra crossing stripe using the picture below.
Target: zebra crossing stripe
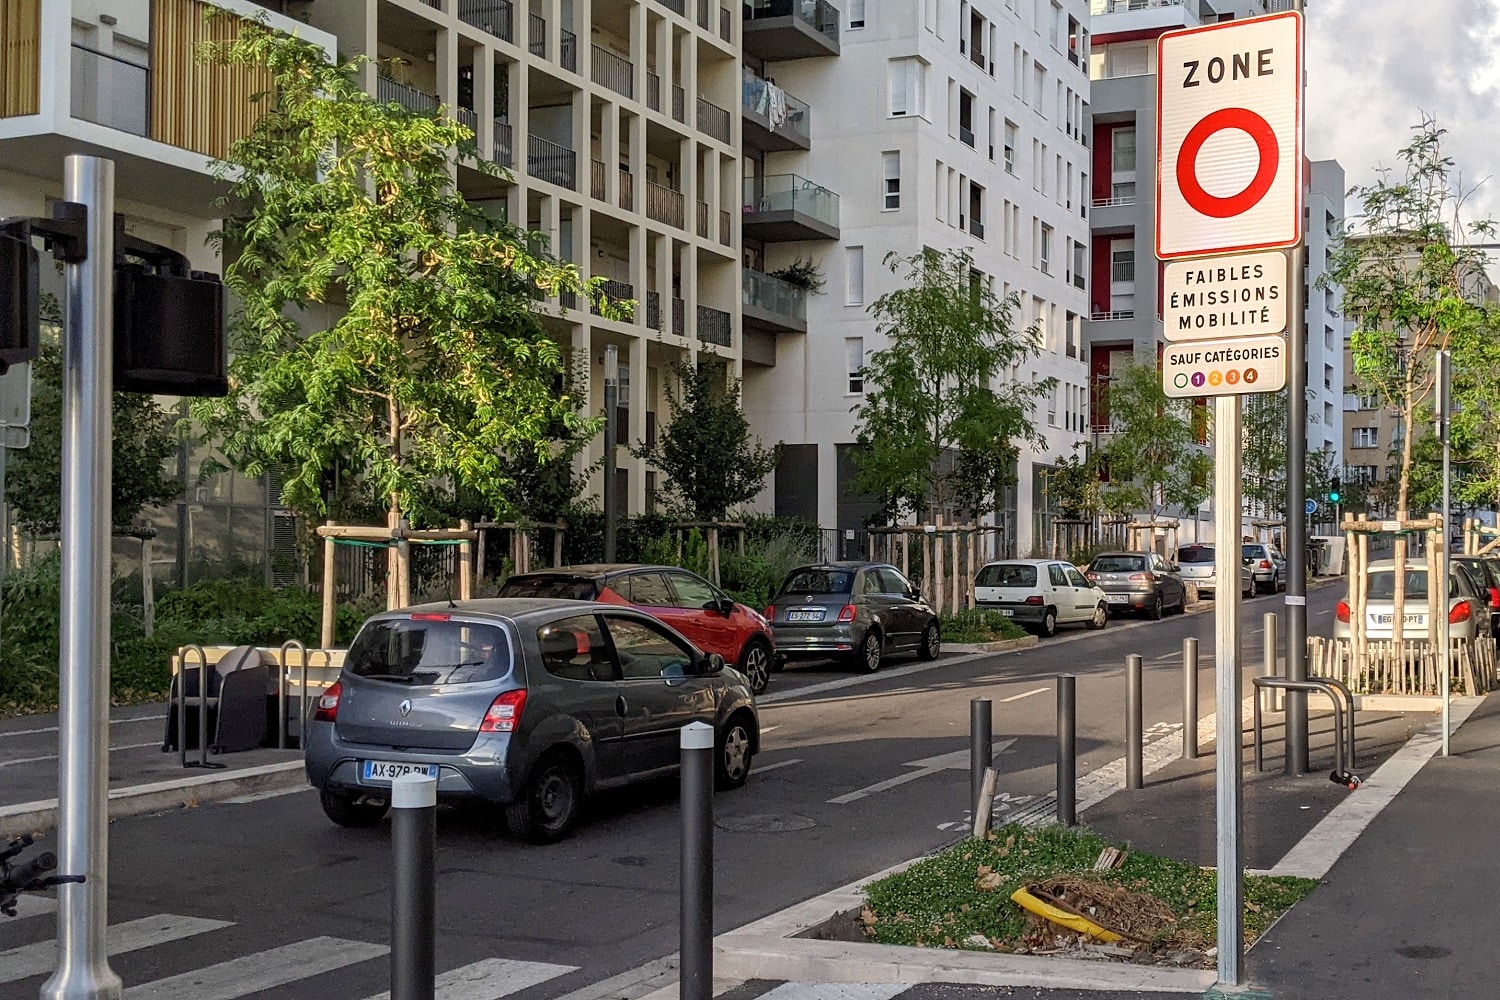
(133, 935)
(492, 979)
(31, 905)
(262, 971)
(836, 991)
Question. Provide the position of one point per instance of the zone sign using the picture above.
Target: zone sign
(1229, 137)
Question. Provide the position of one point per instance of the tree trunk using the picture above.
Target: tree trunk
(1398, 549)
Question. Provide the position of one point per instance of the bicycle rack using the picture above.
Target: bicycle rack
(1337, 692)
(281, 675)
(181, 708)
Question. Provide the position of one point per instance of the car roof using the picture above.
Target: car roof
(1122, 552)
(594, 570)
(513, 609)
(843, 564)
(1025, 562)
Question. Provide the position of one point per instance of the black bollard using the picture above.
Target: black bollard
(1067, 750)
(414, 887)
(981, 749)
(1134, 766)
(696, 972)
(1190, 699)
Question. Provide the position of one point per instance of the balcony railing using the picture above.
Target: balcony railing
(790, 193)
(976, 228)
(468, 118)
(706, 18)
(725, 220)
(536, 37)
(653, 310)
(786, 114)
(1119, 202)
(596, 179)
(679, 104)
(615, 292)
(505, 149)
(614, 71)
(599, 189)
(627, 189)
(653, 91)
(388, 91)
(498, 17)
(966, 136)
(703, 215)
(111, 91)
(726, 23)
(547, 161)
(665, 205)
(715, 327)
(713, 120)
(773, 295)
(679, 317)
(820, 15)
(567, 52)
(677, 6)
(1104, 315)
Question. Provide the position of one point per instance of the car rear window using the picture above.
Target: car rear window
(1195, 554)
(1383, 585)
(1254, 552)
(553, 585)
(429, 651)
(1118, 564)
(819, 581)
(1006, 575)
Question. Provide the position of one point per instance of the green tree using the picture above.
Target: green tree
(706, 451)
(1152, 459)
(1264, 457)
(436, 369)
(1075, 484)
(144, 439)
(941, 422)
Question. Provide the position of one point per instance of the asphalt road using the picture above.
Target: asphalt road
(605, 900)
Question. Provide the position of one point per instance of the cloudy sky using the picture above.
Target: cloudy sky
(1375, 65)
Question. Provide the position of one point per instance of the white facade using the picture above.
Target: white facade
(1325, 320)
(938, 125)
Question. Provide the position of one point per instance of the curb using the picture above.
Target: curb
(135, 800)
(992, 647)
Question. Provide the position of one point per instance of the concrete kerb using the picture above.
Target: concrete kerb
(136, 800)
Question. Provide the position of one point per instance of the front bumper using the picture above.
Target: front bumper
(477, 773)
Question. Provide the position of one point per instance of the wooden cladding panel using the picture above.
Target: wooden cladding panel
(198, 105)
(20, 66)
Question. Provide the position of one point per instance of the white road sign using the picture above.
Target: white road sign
(1237, 367)
(1243, 295)
(1229, 142)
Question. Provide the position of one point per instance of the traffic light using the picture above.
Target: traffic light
(1335, 491)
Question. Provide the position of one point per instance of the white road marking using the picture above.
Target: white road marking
(763, 768)
(882, 675)
(262, 971)
(1027, 694)
(133, 935)
(53, 729)
(31, 905)
(492, 979)
(836, 991)
(769, 729)
(53, 756)
(272, 793)
(957, 760)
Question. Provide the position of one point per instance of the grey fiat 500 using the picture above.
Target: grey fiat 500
(855, 610)
(529, 703)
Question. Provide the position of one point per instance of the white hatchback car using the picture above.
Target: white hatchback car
(1040, 594)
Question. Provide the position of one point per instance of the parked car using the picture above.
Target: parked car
(858, 610)
(1040, 594)
(531, 704)
(1138, 581)
(1197, 566)
(1486, 573)
(1267, 565)
(682, 599)
(1466, 604)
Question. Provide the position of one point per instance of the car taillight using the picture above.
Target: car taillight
(847, 613)
(1342, 612)
(1092, 577)
(1460, 613)
(770, 612)
(1034, 600)
(1140, 576)
(504, 714)
(430, 616)
(1265, 564)
(328, 704)
(1495, 597)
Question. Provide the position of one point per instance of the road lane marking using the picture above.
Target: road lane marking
(53, 756)
(955, 761)
(264, 970)
(492, 979)
(31, 905)
(764, 768)
(1027, 694)
(53, 729)
(133, 935)
(768, 729)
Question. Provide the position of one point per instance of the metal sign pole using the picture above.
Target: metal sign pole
(1227, 683)
(1445, 650)
(611, 433)
(1296, 526)
(83, 971)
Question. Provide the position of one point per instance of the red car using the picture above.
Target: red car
(684, 600)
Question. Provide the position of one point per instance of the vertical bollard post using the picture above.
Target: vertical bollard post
(1271, 661)
(696, 971)
(1067, 750)
(1134, 767)
(981, 749)
(413, 887)
(1190, 699)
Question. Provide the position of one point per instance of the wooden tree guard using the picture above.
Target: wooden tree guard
(711, 531)
(1135, 529)
(521, 537)
(950, 556)
(1070, 535)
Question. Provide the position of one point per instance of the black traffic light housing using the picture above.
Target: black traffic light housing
(1336, 490)
(20, 300)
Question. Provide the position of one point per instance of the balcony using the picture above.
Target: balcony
(1146, 15)
(715, 327)
(613, 71)
(774, 120)
(679, 104)
(498, 17)
(616, 292)
(675, 6)
(547, 161)
(598, 188)
(777, 30)
(1111, 315)
(505, 149)
(653, 310)
(468, 118)
(713, 120)
(785, 208)
(708, 22)
(110, 91)
(388, 91)
(653, 91)
(773, 305)
(665, 205)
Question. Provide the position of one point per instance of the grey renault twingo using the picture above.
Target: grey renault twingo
(532, 704)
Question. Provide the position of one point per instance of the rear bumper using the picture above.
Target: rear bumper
(1134, 600)
(1021, 614)
(478, 773)
(797, 642)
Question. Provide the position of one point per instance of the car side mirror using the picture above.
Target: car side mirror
(914, 593)
(726, 606)
(712, 664)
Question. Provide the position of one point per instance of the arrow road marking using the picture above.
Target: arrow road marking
(956, 761)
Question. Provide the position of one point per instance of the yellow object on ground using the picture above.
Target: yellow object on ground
(1061, 917)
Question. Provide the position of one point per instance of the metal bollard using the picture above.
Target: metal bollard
(696, 966)
(1190, 699)
(414, 887)
(981, 748)
(1270, 662)
(1134, 766)
(1067, 750)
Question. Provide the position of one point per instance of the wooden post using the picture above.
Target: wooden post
(557, 545)
(330, 592)
(958, 590)
(905, 563)
(742, 540)
(479, 554)
(927, 567)
(392, 565)
(403, 567)
(938, 575)
(465, 565)
(713, 554)
(148, 590)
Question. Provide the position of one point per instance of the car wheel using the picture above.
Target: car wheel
(778, 664)
(733, 754)
(1250, 590)
(1048, 628)
(352, 811)
(1155, 611)
(549, 804)
(755, 663)
(1101, 617)
(871, 650)
(932, 641)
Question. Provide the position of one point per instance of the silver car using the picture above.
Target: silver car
(525, 702)
(858, 610)
(1138, 581)
(1467, 604)
(1197, 565)
(1267, 564)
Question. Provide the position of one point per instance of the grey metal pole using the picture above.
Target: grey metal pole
(414, 887)
(1229, 758)
(981, 748)
(696, 969)
(1190, 699)
(611, 435)
(1296, 501)
(1067, 749)
(1134, 726)
(83, 970)
(1445, 651)
(1270, 664)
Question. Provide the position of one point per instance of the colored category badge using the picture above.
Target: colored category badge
(1225, 367)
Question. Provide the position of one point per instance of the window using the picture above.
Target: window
(854, 276)
(575, 649)
(646, 652)
(892, 582)
(1076, 579)
(1052, 408)
(856, 14)
(1039, 88)
(1122, 264)
(1367, 437)
(992, 134)
(854, 364)
(648, 590)
(976, 210)
(1080, 264)
(1046, 248)
(908, 87)
(692, 592)
(1010, 146)
(430, 652)
(891, 160)
(1122, 146)
(966, 118)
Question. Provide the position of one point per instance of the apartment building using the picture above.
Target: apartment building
(934, 124)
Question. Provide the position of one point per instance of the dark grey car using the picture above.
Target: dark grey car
(529, 703)
(858, 610)
(1138, 581)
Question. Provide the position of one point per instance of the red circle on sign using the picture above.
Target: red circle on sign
(1187, 162)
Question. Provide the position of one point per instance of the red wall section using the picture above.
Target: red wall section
(1099, 274)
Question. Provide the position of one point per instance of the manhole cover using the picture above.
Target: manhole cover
(765, 823)
(1423, 951)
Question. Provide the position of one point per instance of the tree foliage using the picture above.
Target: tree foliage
(435, 374)
(1152, 457)
(1265, 437)
(706, 451)
(942, 420)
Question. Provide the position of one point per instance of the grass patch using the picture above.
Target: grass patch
(947, 900)
(980, 626)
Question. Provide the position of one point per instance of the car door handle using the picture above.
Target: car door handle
(620, 707)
